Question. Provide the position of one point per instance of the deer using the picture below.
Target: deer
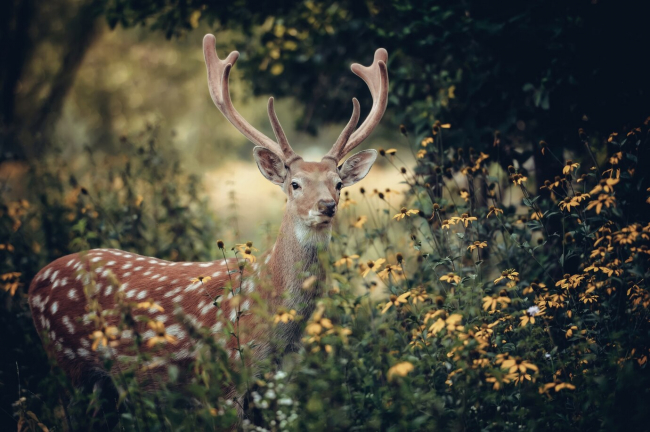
(58, 301)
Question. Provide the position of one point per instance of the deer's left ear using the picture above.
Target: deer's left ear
(271, 165)
(357, 167)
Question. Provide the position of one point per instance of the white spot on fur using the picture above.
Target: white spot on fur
(69, 353)
(187, 264)
(205, 265)
(140, 259)
(96, 259)
(67, 322)
(173, 292)
(127, 266)
(127, 255)
(216, 274)
(147, 273)
(205, 309)
(83, 352)
(131, 293)
(109, 290)
(127, 274)
(141, 295)
(162, 279)
(176, 330)
(216, 327)
(245, 306)
(233, 315)
(110, 263)
(72, 294)
(193, 286)
(138, 268)
(177, 299)
(54, 307)
(127, 334)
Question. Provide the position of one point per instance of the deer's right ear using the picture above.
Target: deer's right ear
(271, 165)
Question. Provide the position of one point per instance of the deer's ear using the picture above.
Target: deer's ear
(357, 167)
(271, 165)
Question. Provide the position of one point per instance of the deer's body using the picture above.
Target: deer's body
(59, 303)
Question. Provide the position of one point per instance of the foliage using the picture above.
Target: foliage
(140, 200)
(530, 69)
(494, 318)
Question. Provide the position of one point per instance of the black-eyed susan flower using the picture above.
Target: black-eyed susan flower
(494, 211)
(529, 315)
(418, 295)
(361, 220)
(346, 260)
(507, 274)
(556, 385)
(491, 302)
(475, 245)
(404, 212)
(518, 365)
(450, 278)
(390, 270)
(602, 200)
(464, 218)
(372, 266)
(394, 300)
(103, 336)
(569, 167)
(201, 279)
(161, 337)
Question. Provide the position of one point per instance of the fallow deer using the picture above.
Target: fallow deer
(58, 300)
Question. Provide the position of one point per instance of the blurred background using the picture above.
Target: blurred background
(87, 76)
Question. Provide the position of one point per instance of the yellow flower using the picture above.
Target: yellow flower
(494, 211)
(490, 302)
(404, 213)
(464, 195)
(346, 260)
(418, 295)
(201, 279)
(476, 244)
(372, 265)
(248, 245)
(161, 337)
(150, 304)
(529, 315)
(464, 218)
(389, 270)
(452, 323)
(421, 154)
(569, 167)
(426, 141)
(101, 337)
(451, 278)
(360, 221)
(518, 365)
(603, 200)
(557, 385)
(508, 273)
(347, 202)
(446, 223)
(284, 316)
(400, 369)
(395, 301)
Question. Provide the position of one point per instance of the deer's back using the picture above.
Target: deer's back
(60, 293)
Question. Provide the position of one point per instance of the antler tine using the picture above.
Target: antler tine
(218, 75)
(376, 77)
(336, 152)
(285, 147)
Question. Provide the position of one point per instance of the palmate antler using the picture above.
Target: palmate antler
(375, 76)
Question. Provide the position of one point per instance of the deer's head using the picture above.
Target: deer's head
(312, 188)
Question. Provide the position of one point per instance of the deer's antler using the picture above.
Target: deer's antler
(218, 74)
(376, 77)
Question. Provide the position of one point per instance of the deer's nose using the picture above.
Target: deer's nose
(327, 207)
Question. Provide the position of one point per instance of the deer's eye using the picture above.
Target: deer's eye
(295, 185)
(339, 185)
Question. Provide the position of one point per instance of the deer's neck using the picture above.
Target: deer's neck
(295, 259)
